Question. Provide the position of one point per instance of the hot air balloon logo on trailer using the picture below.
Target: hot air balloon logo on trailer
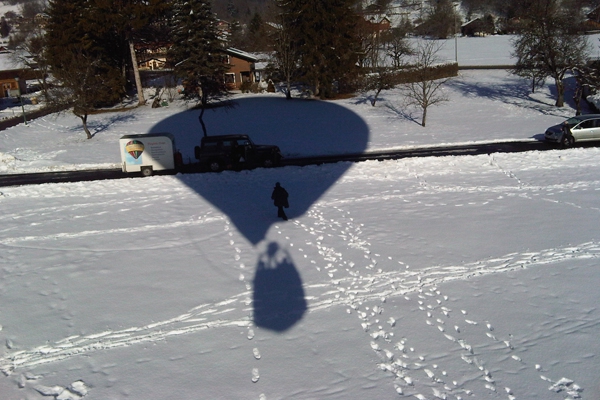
(134, 149)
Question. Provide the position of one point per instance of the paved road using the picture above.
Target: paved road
(459, 150)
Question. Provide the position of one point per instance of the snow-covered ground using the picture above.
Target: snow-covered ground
(430, 278)
(484, 106)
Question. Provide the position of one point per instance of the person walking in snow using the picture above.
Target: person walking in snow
(280, 199)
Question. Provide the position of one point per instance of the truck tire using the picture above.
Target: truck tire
(215, 166)
(272, 161)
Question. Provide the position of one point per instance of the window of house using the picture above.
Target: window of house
(245, 76)
(229, 78)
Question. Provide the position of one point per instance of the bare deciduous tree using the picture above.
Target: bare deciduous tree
(285, 60)
(378, 81)
(548, 45)
(424, 88)
(29, 50)
(396, 45)
(29, 43)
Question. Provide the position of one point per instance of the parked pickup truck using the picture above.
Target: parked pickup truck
(217, 153)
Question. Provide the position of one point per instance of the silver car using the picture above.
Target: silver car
(580, 128)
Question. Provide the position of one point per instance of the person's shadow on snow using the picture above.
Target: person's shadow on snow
(278, 298)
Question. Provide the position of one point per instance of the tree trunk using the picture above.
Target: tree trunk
(424, 119)
(203, 103)
(374, 100)
(84, 122)
(288, 93)
(200, 118)
(136, 73)
(560, 93)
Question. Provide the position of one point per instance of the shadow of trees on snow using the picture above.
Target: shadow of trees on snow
(516, 91)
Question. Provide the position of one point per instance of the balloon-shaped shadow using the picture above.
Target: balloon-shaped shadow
(298, 127)
(278, 294)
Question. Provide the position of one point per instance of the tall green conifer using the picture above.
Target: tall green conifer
(325, 35)
(79, 60)
(196, 53)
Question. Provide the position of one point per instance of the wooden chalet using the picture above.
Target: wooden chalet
(242, 67)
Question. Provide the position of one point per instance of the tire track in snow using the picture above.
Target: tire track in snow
(357, 286)
(23, 240)
(202, 317)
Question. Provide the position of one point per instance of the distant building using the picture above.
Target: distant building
(479, 27)
(14, 75)
(241, 65)
(241, 68)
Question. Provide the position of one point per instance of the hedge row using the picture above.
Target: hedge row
(414, 74)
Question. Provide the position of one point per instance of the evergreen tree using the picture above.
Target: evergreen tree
(324, 33)
(80, 25)
(232, 10)
(78, 60)
(123, 23)
(257, 35)
(196, 53)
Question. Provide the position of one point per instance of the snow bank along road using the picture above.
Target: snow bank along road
(470, 149)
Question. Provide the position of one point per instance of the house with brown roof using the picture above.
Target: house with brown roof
(14, 75)
(478, 27)
(242, 67)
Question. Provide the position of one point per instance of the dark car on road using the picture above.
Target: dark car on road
(217, 153)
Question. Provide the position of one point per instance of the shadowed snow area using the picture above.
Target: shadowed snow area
(305, 126)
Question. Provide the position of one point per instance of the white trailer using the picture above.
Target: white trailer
(147, 153)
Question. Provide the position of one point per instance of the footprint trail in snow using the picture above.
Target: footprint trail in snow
(364, 288)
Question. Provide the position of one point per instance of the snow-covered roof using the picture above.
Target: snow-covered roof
(241, 54)
(259, 66)
(8, 62)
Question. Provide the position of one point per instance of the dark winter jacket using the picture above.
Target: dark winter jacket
(280, 196)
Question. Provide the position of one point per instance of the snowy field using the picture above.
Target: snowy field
(430, 278)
